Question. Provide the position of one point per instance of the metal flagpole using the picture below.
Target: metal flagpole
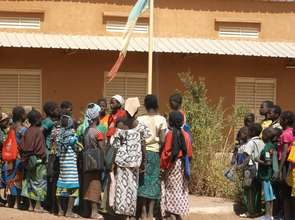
(151, 47)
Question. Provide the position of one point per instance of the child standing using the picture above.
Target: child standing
(286, 140)
(33, 157)
(68, 181)
(275, 114)
(175, 102)
(252, 187)
(264, 111)
(14, 170)
(4, 124)
(52, 112)
(104, 116)
(267, 166)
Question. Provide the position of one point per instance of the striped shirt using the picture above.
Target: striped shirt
(68, 176)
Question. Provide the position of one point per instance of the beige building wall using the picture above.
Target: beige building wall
(189, 18)
(79, 76)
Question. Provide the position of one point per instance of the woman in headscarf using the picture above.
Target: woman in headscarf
(117, 113)
(93, 138)
(68, 180)
(129, 143)
(32, 150)
(174, 158)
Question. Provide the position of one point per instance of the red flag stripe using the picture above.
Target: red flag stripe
(113, 73)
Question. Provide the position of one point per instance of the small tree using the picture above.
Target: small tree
(212, 129)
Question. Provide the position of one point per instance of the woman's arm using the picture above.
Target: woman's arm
(284, 157)
(166, 152)
(162, 137)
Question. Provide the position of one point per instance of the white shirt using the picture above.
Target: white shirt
(253, 148)
(155, 123)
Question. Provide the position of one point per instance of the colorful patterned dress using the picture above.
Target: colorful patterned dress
(174, 185)
(128, 160)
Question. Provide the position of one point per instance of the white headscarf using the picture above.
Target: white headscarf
(132, 105)
(119, 98)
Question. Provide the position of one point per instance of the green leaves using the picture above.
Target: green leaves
(212, 128)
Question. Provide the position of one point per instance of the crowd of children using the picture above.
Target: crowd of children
(113, 163)
(265, 158)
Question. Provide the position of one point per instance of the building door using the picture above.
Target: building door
(251, 92)
(128, 85)
(20, 87)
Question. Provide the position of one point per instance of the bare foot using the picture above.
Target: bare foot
(97, 216)
(39, 210)
(71, 215)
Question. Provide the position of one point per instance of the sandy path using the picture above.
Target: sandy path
(14, 214)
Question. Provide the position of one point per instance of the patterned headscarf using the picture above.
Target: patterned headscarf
(93, 112)
(90, 115)
(66, 136)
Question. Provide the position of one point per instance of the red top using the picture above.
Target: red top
(165, 161)
(121, 113)
(99, 136)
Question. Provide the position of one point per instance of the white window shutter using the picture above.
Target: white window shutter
(265, 89)
(20, 22)
(119, 27)
(8, 90)
(128, 85)
(20, 87)
(239, 32)
(30, 90)
(251, 92)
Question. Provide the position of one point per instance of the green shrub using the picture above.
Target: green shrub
(212, 128)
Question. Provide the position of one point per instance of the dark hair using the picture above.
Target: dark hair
(268, 134)
(90, 105)
(248, 116)
(269, 104)
(102, 100)
(255, 130)
(35, 118)
(278, 132)
(175, 101)
(18, 114)
(276, 109)
(49, 108)
(288, 116)
(151, 102)
(178, 142)
(66, 104)
(65, 121)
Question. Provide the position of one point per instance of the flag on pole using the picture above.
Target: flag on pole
(136, 11)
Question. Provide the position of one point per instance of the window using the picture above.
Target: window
(237, 29)
(20, 87)
(20, 22)
(251, 92)
(119, 26)
(128, 85)
(240, 32)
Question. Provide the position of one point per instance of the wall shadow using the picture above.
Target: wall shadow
(202, 5)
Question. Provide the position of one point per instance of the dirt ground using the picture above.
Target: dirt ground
(14, 214)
